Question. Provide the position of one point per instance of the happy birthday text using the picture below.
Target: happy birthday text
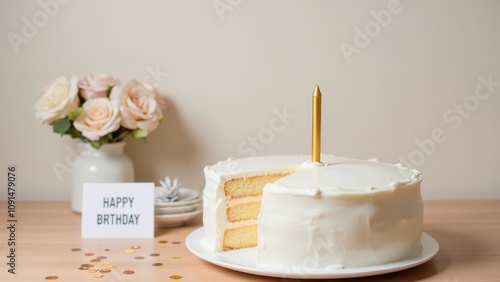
(118, 218)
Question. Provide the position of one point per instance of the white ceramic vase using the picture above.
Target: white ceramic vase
(107, 164)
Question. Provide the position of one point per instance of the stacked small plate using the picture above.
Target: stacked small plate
(176, 211)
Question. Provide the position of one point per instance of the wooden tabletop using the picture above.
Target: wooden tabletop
(48, 243)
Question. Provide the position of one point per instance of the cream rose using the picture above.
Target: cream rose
(138, 106)
(159, 99)
(95, 85)
(100, 116)
(57, 100)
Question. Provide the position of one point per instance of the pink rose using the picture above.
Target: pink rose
(138, 106)
(95, 85)
(57, 100)
(100, 116)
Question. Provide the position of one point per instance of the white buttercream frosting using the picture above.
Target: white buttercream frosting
(214, 200)
(340, 213)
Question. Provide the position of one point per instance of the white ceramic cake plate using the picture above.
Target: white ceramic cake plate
(245, 260)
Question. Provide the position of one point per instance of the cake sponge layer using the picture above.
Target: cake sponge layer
(249, 186)
(240, 237)
(246, 211)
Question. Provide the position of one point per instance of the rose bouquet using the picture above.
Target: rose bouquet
(98, 109)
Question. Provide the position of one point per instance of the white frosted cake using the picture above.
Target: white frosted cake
(342, 213)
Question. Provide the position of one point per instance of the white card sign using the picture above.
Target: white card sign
(118, 210)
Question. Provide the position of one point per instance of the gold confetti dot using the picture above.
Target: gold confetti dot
(107, 250)
(97, 275)
(92, 269)
(101, 257)
(176, 257)
(129, 251)
(105, 270)
(157, 264)
(135, 247)
(106, 263)
(163, 241)
(176, 242)
(154, 254)
(87, 265)
(111, 266)
(51, 277)
(128, 271)
(140, 257)
(76, 249)
(88, 254)
(95, 260)
(83, 268)
(175, 277)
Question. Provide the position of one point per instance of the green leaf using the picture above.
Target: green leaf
(139, 133)
(75, 113)
(96, 144)
(108, 92)
(62, 125)
(121, 135)
(74, 133)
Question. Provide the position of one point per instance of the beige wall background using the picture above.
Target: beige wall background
(416, 82)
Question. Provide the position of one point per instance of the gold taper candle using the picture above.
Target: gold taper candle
(316, 125)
